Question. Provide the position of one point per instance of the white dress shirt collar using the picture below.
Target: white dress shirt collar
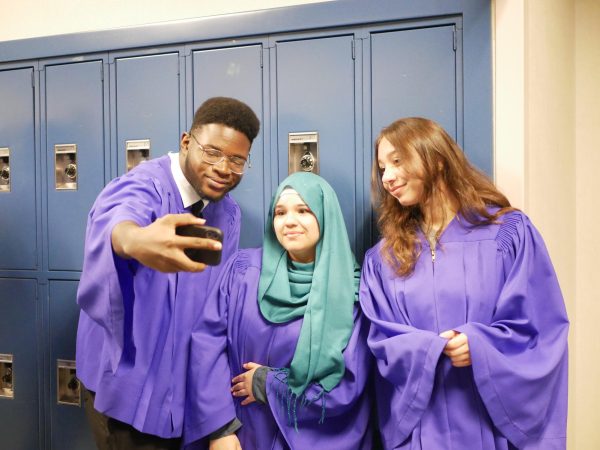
(189, 196)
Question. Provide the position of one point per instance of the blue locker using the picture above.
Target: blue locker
(68, 426)
(147, 102)
(17, 193)
(19, 424)
(74, 114)
(314, 91)
(237, 72)
(413, 73)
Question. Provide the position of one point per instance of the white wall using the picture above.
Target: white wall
(31, 18)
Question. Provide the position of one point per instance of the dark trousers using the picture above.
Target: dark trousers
(111, 434)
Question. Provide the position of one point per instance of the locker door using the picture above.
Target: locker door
(74, 102)
(147, 104)
(68, 426)
(315, 93)
(236, 72)
(19, 424)
(414, 74)
(17, 159)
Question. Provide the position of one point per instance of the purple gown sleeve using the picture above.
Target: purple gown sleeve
(100, 292)
(346, 408)
(406, 356)
(519, 360)
(209, 403)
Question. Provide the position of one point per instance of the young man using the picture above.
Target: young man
(139, 293)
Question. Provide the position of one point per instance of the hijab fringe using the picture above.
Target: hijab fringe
(289, 400)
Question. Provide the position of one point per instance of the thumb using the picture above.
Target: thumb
(448, 334)
(250, 365)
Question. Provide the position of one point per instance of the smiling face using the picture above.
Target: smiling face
(401, 177)
(296, 227)
(212, 181)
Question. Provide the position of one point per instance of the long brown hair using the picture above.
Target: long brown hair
(446, 174)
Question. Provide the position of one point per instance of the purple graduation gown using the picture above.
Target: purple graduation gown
(233, 323)
(135, 323)
(497, 285)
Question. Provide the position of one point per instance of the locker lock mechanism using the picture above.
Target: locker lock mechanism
(307, 162)
(4, 169)
(7, 376)
(71, 171)
(68, 389)
(65, 166)
(303, 152)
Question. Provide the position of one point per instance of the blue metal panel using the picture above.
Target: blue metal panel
(68, 426)
(19, 423)
(315, 92)
(251, 23)
(74, 102)
(413, 74)
(147, 103)
(475, 16)
(17, 124)
(237, 72)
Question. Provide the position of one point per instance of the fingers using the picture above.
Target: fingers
(239, 391)
(197, 242)
(182, 219)
(461, 361)
(457, 349)
(239, 378)
(248, 400)
(457, 341)
(448, 334)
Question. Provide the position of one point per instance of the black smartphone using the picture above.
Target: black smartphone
(210, 257)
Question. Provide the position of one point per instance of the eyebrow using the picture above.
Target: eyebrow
(297, 204)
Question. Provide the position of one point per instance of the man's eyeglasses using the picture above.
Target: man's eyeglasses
(213, 156)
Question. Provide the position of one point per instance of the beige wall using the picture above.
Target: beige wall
(586, 342)
(547, 92)
(547, 97)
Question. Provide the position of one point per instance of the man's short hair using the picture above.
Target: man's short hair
(229, 112)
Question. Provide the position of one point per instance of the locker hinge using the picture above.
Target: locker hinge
(261, 59)
(353, 49)
(33, 79)
(102, 73)
(454, 44)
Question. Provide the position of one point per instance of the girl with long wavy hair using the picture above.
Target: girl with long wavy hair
(468, 324)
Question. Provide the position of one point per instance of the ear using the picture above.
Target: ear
(184, 142)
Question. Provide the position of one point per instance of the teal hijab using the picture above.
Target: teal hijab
(325, 298)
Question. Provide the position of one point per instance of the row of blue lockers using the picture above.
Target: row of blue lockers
(68, 125)
(340, 87)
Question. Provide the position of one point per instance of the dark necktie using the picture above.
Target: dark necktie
(196, 208)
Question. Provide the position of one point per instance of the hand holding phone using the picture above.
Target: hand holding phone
(206, 256)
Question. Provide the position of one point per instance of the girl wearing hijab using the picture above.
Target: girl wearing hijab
(294, 361)
(468, 324)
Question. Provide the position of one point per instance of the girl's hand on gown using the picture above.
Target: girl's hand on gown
(230, 442)
(457, 348)
(242, 384)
